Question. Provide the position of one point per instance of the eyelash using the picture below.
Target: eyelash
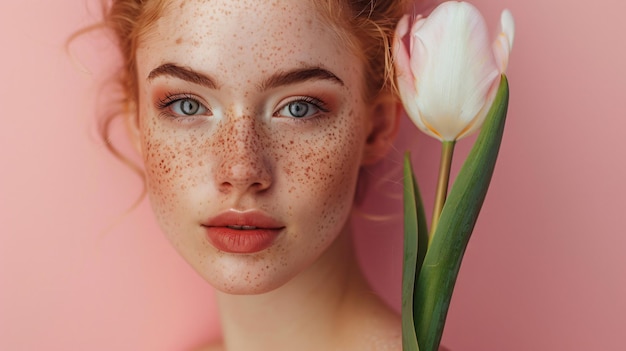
(171, 98)
(319, 104)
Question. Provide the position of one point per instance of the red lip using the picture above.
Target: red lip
(242, 232)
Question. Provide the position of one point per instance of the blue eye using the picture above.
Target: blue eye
(182, 106)
(187, 107)
(302, 108)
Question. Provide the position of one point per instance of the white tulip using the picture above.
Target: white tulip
(448, 80)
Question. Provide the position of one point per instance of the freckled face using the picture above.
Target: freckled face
(248, 106)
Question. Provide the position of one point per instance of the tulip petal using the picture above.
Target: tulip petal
(405, 77)
(454, 80)
(482, 114)
(417, 49)
(400, 54)
(507, 25)
(504, 42)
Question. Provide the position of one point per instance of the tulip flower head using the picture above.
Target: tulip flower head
(449, 78)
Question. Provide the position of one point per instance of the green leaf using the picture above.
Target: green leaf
(422, 225)
(437, 277)
(409, 339)
(415, 245)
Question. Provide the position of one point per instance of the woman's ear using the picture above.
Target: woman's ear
(385, 119)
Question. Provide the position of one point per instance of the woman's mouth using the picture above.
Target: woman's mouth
(241, 227)
(242, 232)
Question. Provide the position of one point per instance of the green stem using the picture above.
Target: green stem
(442, 184)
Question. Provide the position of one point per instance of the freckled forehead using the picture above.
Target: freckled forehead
(215, 34)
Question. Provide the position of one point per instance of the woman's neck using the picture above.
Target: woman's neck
(314, 311)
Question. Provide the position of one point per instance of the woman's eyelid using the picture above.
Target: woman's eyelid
(316, 102)
(172, 97)
(168, 102)
(302, 108)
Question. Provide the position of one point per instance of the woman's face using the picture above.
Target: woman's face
(252, 127)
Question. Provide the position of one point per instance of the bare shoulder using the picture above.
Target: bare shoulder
(384, 334)
(379, 331)
(381, 342)
(377, 340)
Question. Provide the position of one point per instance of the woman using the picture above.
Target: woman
(254, 119)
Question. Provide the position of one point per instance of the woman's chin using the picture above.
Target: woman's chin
(246, 278)
(243, 287)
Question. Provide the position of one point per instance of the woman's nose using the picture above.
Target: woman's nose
(243, 165)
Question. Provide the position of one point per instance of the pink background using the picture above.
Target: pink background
(544, 270)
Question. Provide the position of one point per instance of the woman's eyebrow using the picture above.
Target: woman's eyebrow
(294, 76)
(172, 70)
(299, 75)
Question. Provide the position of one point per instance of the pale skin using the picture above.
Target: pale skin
(231, 117)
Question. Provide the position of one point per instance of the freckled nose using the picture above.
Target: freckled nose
(243, 166)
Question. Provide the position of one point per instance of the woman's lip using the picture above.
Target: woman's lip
(251, 218)
(242, 232)
(241, 241)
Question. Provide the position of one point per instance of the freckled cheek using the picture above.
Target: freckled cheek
(324, 169)
(174, 166)
(336, 157)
